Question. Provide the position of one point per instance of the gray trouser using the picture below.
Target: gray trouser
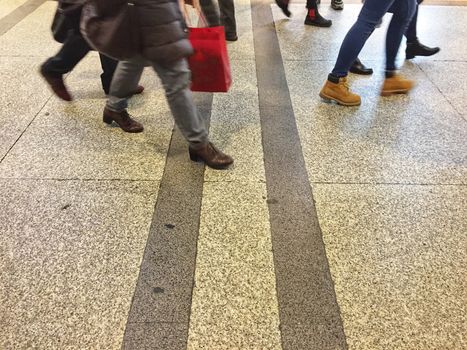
(175, 79)
(227, 9)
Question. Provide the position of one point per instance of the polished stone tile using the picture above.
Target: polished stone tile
(398, 259)
(150, 336)
(22, 95)
(71, 253)
(8, 6)
(32, 36)
(447, 77)
(235, 126)
(69, 140)
(415, 138)
(234, 300)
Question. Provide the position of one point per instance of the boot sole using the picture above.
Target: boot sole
(395, 92)
(347, 104)
(109, 121)
(318, 25)
(200, 160)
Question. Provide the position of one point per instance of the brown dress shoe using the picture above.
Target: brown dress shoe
(211, 156)
(139, 90)
(56, 84)
(123, 120)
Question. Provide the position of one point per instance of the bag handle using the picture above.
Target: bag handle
(196, 5)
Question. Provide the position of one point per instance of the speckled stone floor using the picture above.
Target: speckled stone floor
(337, 228)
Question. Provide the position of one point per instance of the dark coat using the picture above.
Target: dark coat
(158, 29)
(163, 32)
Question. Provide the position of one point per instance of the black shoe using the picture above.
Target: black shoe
(231, 36)
(418, 49)
(337, 5)
(359, 68)
(317, 20)
(284, 6)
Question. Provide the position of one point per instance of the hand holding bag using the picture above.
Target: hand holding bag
(209, 65)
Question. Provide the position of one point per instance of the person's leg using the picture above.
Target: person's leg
(125, 80)
(414, 47)
(403, 10)
(227, 12)
(395, 83)
(370, 15)
(109, 65)
(72, 51)
(336, 87)
(313, 17)
(176, 79)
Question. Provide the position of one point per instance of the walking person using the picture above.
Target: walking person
(336, 87)
(73, 50)
(414, 47)
(164, 45)
(313, 17)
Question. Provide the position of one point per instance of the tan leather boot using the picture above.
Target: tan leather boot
(396, 84)
(123, 120)
(211, 156)
(340, 93)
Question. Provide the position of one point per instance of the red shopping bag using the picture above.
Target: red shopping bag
(209, 65)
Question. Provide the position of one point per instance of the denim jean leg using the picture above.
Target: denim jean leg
(403, 11)
(370, 15)
(124, 82)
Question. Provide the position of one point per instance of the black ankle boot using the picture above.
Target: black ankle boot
(313, 18)
(418, 49)
(359, 68)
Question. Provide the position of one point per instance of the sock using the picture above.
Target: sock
(333, 78)
(390, 73)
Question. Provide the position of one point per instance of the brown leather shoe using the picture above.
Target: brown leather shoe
(123, 120)
(211, 156)
(139, 90)
(56, 84)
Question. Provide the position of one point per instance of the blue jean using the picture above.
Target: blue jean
(371, 14)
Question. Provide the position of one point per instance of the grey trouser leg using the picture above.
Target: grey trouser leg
(124, 82)
(175, 78)
(227, 9)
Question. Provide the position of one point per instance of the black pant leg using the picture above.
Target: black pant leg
(108, 69)
(73, 50)
(227, 10)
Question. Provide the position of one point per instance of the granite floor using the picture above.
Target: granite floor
(337, 228)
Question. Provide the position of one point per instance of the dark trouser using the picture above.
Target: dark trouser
(311, 4)
(411, 33)
(227, 9)
(371, 14)
(73, 51)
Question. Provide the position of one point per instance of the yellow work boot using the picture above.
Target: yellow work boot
(337, 90)
(396, 84)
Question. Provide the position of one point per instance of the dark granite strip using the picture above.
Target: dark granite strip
(161, 306)
(13, 18)
(309, 313)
